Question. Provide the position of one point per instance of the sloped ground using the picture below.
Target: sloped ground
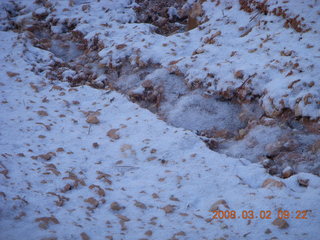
(109, 46)
(79, 162)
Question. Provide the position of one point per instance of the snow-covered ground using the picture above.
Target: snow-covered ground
(78, 162)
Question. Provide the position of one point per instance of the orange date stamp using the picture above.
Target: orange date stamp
(262, 214)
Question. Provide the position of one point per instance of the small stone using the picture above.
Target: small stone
(224, 226)
(92, 201)
(273, 170)
(267, 231)
(242, 133)
(84, 236)
(66, 188)
(181, 233)
(215, 206)
(273, 149)
(173, 198)
(147, 84)
(148, 233)
(46, 156)
(239, 74)
(113, 134)
(154, 195)
(315, 147)
(115, 206)
(42, 113)
(60, 149)
(281, 223)
(266, 121)
(272, 183)
(140, 205)
(123, 218)
(120, 46)
(43, 225)
(303, 182)
(12, 74)
(267, 163)
(92, 119)
(85, 7)
(169, 208)
(287, 172)
(95, 145)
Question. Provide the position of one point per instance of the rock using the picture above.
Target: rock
(84, 236)
(85, 7)
(42, 113)
(287, 172)
(66, 188)
(40, 13)
(267, 231)
(272, 183)
(273, 170)
(224, 226)
(266, 163)
(290, 144)
(47, 156)
(243, 133)
(140, 205)
(44, 221)
(239, 74)
(113, 134)
(92, 201)
(169, 208)
(147, 84)
(284, 144)
(98, 189)
(281, 223)
(92, 119)
(115, 206)
(195, 12)
(173, 198)
(95, 145)
(60, 149)
(181, 233)
(266, 121)
(303, 182)
(120, 46)
(148, 233)
(315, 147)
(215, 206)
(123, 218)
(273, 149)
(12, 74)
(154, 195)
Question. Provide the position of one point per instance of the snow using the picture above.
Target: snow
(140, 161)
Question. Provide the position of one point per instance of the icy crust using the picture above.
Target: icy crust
(232, 52)
(62, 177)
